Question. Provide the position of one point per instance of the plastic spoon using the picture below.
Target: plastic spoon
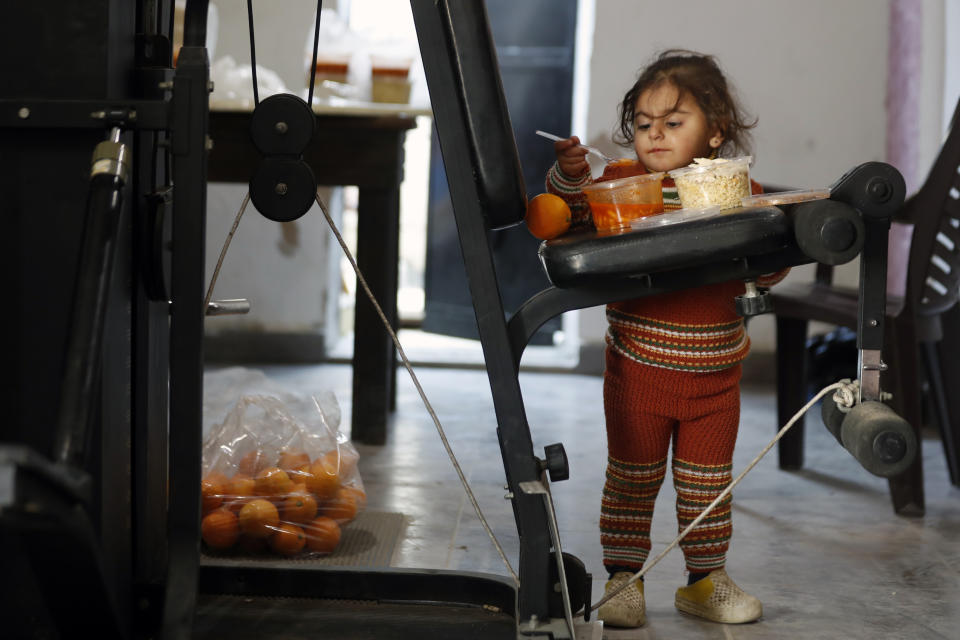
(593, 150)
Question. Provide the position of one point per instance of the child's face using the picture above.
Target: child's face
(669, 134)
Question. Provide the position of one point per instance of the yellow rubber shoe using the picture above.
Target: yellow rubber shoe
(716, 597)
(626, 609)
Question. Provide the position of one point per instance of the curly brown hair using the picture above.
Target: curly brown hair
(699, 76)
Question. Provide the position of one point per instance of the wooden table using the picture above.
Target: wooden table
(362, 146)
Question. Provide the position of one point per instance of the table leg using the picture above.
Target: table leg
(374, 358)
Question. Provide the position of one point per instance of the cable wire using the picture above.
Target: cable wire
(313, 64)
(223, 251)
(253, 54)
(423, 396)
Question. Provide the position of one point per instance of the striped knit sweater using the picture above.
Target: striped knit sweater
(696, 330)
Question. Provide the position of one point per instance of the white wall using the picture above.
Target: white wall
(813, 72)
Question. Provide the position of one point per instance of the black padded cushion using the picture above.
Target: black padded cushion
(479, 95)
(591, 257)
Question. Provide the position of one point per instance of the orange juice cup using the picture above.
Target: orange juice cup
(614, 203)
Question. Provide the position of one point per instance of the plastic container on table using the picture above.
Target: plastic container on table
(389, 77)
(614, 203)
(723, 182)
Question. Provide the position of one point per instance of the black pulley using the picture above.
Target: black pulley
(283, 189)
(830, 232)
(883, 442)
(282, 124)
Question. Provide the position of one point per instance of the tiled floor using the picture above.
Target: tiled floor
(820, 547)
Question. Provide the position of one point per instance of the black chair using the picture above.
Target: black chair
(916, 346)
(586, 269)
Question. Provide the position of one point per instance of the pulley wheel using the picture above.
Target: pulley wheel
(283, 189)
(282, 124)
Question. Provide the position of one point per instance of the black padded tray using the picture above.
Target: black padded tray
(583, 258)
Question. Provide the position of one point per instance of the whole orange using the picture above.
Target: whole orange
(219, 529)
(548, 216)
(323, 480)
(299, 474)
(292, 459)
(253, 463)
(213, 488)
(358, 493)
(323, 534)
(342, 507)
(288, 539)
(343, 460)
(259, 518)
(240, 491)
(300, 506)
(272, 481)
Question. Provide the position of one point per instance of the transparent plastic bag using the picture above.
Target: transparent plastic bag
(278, 478)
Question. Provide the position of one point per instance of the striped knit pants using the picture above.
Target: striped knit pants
(646, 407)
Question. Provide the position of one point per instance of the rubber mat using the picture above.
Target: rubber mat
(371, 540)
(255, 618)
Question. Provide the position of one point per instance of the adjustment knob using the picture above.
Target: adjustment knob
(556, 462)
(754, 301)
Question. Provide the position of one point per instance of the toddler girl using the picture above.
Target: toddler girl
(672, 360)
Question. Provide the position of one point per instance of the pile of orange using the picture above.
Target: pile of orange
(288, 504)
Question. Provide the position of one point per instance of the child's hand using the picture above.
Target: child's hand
(571, 157)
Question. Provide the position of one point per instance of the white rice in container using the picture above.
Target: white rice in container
(721, 182)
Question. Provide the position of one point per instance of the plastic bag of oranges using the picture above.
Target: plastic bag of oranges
(278, 480)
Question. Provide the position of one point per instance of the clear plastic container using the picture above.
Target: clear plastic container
(614, 203)
(389, 77)
(723, 183)
(674, 217)
(785, 197)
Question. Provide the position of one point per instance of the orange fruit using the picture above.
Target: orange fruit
(299, 474)
(213, 487)
(343, 460)
(358, 494)
(240, 490)
(300, 506)
(219, 529)
(240, 485)
(323, 480)
(292, 460)
(253, 463)
(322, 534)
(272, 481)
(548, 216)
(342, 507)
(259, 518)
(288, 540)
